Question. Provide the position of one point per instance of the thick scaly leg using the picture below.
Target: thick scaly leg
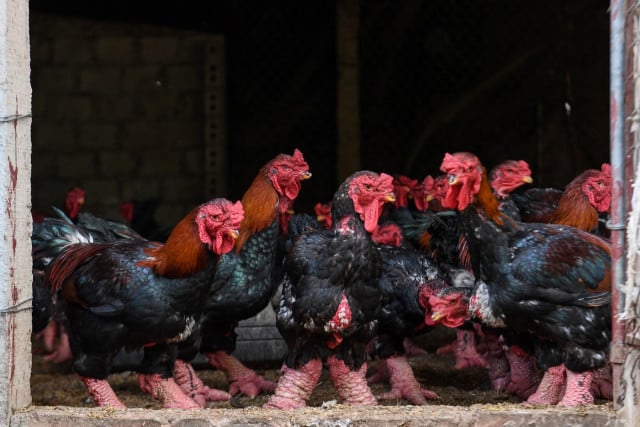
(602, 384)
(499, 371)
(186, 377)
(404, 384)
(295, 386)
(351, 385)
(548, 392)
(62, 353)
(102, 393)
(465, 351)
(524, 375)
(167, 391)
(241, 378)
(578, 390)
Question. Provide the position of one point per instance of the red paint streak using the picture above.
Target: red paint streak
(12, 348)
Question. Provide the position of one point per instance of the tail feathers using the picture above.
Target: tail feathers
(597, 299)
(104, 230)
(51, 237)
(69, 260)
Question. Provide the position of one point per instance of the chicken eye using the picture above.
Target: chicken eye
(284, 167)
(452, 178)
(599, 183)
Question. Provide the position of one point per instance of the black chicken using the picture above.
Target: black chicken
(134, 293)
(408, 279)
(547, 283)
(243, 283)
(330, 296)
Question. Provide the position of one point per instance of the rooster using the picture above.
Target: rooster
(44, 325)
(133, 293)
(407, 280)
(330, 296)
(548, 284)
(243, 283)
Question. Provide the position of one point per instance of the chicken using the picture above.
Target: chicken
(330, 296)
(133, 293)
(140, 216)
(507, 177)
(243, 283)
(548, 284)
(44, 325)
(407, 280)
(323, 213)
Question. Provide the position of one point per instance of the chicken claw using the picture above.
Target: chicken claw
(295, 386)
(186, 377)
(242, 379)
(351, 385)
(167, 391)
(404, 384)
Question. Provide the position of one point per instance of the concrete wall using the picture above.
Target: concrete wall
(118, 110)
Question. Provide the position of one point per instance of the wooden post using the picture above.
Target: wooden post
(15, 218)
(348, 109)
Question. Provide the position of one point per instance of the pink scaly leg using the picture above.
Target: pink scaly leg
(62, 353)
(381, 374)
(167, 391)
(351, 385)
(524, 375)
(49, 335)
(102, 393)
(186, 377)
(499, 371)
(412, 350)
(465, 350)
(241, 378)
(295, 386)
(548, 392)
(602, 384)
(578, 390)
(404, 384)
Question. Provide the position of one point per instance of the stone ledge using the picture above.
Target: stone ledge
(334, 415)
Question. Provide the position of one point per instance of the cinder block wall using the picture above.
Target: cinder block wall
(117, 110)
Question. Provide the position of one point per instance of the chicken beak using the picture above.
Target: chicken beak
(321, 218)
(429, 197)
(437, 316)
(527, 179)
(234, 234)
(306, 175)
(390, 198)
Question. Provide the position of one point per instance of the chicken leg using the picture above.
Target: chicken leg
(550, 387)
(188, 380)
(102, 393)
(351, 385)
(167, 391)
(403, 382)
(578, 390)
(524, 375)
(295, 386)
(241, 379)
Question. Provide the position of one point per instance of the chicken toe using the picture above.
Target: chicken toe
(351, 385)
(404, 384)
(167, 391)
(102, 393)
(295, 386)
(242, 379)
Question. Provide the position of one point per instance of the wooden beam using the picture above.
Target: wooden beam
(348, 108)
(15, 218)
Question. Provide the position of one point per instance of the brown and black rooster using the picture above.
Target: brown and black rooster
(133, 293)
(330, 296)
(547, 285)
(243, 284)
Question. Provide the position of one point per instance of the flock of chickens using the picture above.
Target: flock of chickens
(522, 272)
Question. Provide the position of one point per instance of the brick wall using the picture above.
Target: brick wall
(117, 110)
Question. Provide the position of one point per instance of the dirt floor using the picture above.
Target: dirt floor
(57, 385)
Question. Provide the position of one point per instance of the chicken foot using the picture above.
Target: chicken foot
(578, 389)
(57, 353)
(499, 370)
(167, 391)
(295, 386)
(102, 393)
(524, 375)
(186, 377)
(241, 379)
(403, 382)
(351, 385)
(550, 387)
